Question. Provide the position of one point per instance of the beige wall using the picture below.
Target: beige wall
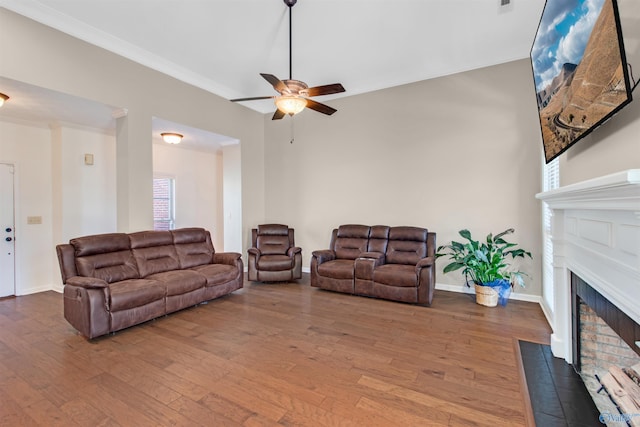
(615, 146)
(456, 152)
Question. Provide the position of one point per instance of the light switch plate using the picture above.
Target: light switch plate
(34, 220)
(88, 159)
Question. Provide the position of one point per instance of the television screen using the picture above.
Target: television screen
(579, 69)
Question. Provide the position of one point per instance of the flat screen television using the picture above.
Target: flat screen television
(579, 70)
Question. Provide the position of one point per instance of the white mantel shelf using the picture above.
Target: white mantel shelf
(596, 235)
(618, 191)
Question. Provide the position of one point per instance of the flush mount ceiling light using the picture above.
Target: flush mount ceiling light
(3, 98)
(171, 137)
(294, 94)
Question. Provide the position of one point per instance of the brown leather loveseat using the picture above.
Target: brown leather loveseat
(116, 280)
(394, 263)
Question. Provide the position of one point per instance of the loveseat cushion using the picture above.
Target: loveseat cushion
(105, 256)
(154, 252)
(407, 245)
(193, 246)
(134, 293)
(396, 275)
(337, 269)
(351, 241)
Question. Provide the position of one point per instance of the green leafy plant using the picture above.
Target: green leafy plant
(484, 262)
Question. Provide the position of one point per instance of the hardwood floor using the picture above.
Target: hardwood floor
(270, 354)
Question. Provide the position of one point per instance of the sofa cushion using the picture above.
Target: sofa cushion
(133, 293)
(351, 241)
(154, 252)
(337, 269)
(396, 275)
(105, 256)
(179, 282)
(100, 244)
(217, 274)
(193, 246)
(275, 262)
(407, 245)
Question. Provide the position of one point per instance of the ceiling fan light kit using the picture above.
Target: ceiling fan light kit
(290, 104)
(294, 94)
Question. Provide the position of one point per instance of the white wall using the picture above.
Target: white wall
(29, 149)
(198, 189)
(232, 176)
(85, 196)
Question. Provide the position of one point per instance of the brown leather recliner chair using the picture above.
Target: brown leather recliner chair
(273, 256)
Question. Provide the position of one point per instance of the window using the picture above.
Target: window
(163, 204)
(551, 177)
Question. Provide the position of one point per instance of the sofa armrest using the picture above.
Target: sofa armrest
(86, 282)
(293, 251)
(229, 258)
(323, 255)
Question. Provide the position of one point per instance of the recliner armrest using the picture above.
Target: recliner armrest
(230, 258)
(254, 251)
(324, 255)
(425, 262)
(294, 250)
(86, 282)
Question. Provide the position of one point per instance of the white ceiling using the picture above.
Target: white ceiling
(222, 45)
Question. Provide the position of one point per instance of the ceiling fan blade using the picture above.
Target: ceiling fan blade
(321, 108)
(275, 82)
(325, 90)
(278, 115)
(254, 98)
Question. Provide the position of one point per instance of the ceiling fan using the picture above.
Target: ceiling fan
(294, 94)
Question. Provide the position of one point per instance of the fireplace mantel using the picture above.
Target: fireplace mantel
(596, 235)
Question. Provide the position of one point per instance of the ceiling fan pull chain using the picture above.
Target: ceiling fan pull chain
(293, 131)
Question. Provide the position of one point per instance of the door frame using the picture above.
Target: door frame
(15, 216)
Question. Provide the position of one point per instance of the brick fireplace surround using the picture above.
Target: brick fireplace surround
(596, 245)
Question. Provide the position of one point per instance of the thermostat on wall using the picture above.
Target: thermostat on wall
(88, 159)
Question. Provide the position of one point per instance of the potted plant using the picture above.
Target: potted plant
(486, 265)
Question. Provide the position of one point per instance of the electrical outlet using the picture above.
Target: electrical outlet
(34, 220)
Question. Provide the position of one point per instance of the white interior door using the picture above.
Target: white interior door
(7, 234)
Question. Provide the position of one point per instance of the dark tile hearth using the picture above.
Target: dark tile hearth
(558, 395)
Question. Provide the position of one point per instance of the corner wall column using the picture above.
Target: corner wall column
(134, 172)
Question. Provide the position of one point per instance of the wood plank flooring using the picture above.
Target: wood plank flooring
(267, 355)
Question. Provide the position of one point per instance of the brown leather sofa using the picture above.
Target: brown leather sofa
(274, 256)
(113, 281)
(394, 263)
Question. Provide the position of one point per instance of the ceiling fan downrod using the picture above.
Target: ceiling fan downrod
(290, 4)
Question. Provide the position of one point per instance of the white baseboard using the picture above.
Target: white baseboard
(467, 290)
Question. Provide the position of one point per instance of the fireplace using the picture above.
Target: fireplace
(596, 236)
(596, 267)
(604, 336)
